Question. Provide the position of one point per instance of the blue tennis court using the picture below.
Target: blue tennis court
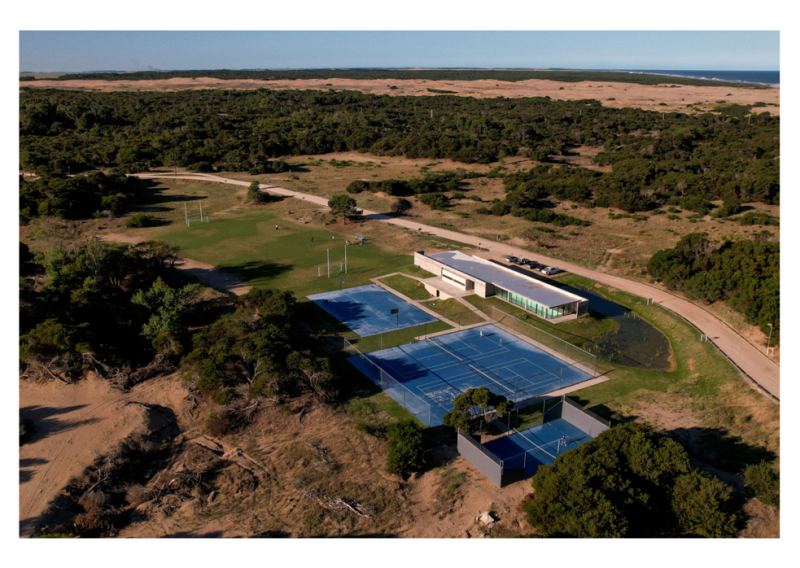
(367, 310)
(537, 445)
(435, 371)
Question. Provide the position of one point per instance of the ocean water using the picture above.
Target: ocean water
(764, 77)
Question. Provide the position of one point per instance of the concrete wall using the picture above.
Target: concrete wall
(486, 462)
(480, 458)
(583, 419)
(428, 264)
(436, 293)
(480, 288)
(577, 416)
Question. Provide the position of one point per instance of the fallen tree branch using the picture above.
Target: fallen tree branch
(232, 454)
(339, 504)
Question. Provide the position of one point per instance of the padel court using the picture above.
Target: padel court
(517, 455)
(542, 444)
(438, 369)
(368, 310)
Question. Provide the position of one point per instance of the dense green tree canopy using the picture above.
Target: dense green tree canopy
(745, 274)
(630, 481)
(655, 157)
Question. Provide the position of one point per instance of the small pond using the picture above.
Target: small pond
(635, 343)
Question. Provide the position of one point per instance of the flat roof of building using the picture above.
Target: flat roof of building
(526, 286)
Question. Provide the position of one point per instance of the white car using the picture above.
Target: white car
(550, 270)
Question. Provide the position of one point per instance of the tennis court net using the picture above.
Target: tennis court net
(511, 395)
(537, 446)
(445, 351)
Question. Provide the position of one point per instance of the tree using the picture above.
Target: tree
(166, 307)
(480, 400)
(400, 206)
(630, 481)
(344, 205)
(255, 195)
(406, 447)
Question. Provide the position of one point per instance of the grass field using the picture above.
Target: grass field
(455, 311)
(410, 287)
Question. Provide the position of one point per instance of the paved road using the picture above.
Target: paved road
(750, 359)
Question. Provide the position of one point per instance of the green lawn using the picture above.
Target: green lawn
(249, 246)
(455, 311)
(575, 331)
(414, 289)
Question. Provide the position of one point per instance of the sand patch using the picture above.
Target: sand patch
(614, 95)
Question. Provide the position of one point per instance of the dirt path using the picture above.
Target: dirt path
(747, 357)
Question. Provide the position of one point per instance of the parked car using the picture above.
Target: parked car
(550, 270)
(533, 264)
(511, 259)
(524, 262)
(519, 261)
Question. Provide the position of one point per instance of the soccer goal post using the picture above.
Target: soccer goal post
(331, 269)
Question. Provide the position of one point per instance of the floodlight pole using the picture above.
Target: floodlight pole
(329, 262)
(201, 211)
(770, 337)
(186, 214)
(345, 258)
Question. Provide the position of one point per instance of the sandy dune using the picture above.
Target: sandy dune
(74, 424)
(674, 97)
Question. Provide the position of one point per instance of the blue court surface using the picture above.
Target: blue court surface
(435, 371)
(537, 445)
(367, 310)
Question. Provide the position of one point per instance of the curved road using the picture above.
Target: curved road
(747, 357)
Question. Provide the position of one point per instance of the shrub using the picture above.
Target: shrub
(483, 211)
(705, 506)
(434, 200)
(763, 482)
(406, 447)
(139, 220)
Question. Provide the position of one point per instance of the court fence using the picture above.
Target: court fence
(391, 386)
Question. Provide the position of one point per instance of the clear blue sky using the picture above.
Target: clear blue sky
(656, 50)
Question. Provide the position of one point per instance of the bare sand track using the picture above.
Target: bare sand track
(762, 370)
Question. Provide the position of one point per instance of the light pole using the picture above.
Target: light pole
(770, 337)
(590, 258)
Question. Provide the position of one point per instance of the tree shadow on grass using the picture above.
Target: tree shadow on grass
(720, 449)
(257, 270)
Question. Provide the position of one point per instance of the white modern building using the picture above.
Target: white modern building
(472, 274)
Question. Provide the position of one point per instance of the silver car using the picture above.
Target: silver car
(550, 270)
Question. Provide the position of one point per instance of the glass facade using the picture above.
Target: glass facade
(533, 307)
